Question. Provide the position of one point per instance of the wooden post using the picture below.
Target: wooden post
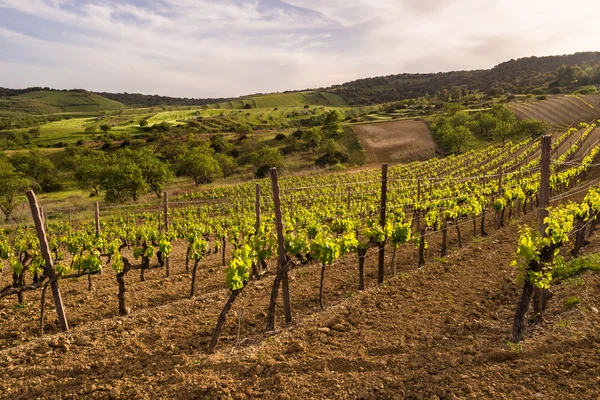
(419, 201)
(41, 234)
(257, 207)
(69, 217)
(97, 219)
(166, 212)
(46, 220)
(349, 196)
(529, 291)
(382, 210)
(287, 308)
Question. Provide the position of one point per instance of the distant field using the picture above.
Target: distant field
(286, 100)
(399, 141)
(559, 111)
(53, 102)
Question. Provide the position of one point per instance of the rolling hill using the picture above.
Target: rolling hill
(559, 111)
(52, 101)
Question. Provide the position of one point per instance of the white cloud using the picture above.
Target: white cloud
(227, 48)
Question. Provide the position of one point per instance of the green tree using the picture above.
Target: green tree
(89, 169)
(37, 166)
(123, 180)
(12, 186)
(331, 124)
(487, 123)
(457, 138)
(143, 123)
(265, 159)
(200, 165)
(533, 127)
(105, 128)
(503, 130)
(312, 138)
(155, 173)
(227, 163)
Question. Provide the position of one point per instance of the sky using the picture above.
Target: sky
(227, 48)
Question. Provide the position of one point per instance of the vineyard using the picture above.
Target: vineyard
(285, 269)
(560, 111)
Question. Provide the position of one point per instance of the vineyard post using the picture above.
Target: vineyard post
(41, 233)
(166, 212)
(544, 202)
(257, 208)
(519, 322)
(349, 195)
(287, 309)
(42, 215)
(258, 265)
(69, 217)
(97, 209)
(159, 226)
(418, 202)
(46, 220)
(384, 170)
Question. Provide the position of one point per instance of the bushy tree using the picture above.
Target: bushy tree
(89, 169)
(37, 166)
(105, 128)
(123, 180)
(200, 165)
(227, 163)
(12, 186)
(155, 173)
(265, 159)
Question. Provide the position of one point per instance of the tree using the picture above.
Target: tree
(265, 159)
(37, 166)
(312, 138)
(502, 130)
(487, 123)
(89, 170)
(12, 185)
(105, 128)
(533, 127)
(122, 180)
(199, 164)
(143, 123)
(458, 137)
(227, 163)
(331, 124)
(155, 173)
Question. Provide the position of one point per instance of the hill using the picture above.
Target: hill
(53, 101)
(515, 76)
(287, 99)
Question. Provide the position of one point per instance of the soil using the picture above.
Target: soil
(439, 332)
(399, 141)
(559, 111)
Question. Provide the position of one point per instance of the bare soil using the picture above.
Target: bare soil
(398, 141)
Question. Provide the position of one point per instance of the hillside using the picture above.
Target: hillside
(559, 111)
(289, 99)
(514, 76)
(49, 102)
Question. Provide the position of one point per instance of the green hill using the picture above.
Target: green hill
(51, 102)
(291, 99)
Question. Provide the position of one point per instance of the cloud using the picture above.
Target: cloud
(227, 48)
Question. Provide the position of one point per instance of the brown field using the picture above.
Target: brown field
(399, 141)
(559, 111)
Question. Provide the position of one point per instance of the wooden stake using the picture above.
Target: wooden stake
(41, 234)
(384, 169)
(166, 212)
(349, 196)
(281, 253)
(97, 219)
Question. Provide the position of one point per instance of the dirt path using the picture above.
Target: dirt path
(399, 141)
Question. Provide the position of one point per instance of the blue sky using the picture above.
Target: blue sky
(207, 48)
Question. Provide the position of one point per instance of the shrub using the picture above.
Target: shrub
(280, 136)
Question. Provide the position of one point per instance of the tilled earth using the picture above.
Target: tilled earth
(436, 333)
